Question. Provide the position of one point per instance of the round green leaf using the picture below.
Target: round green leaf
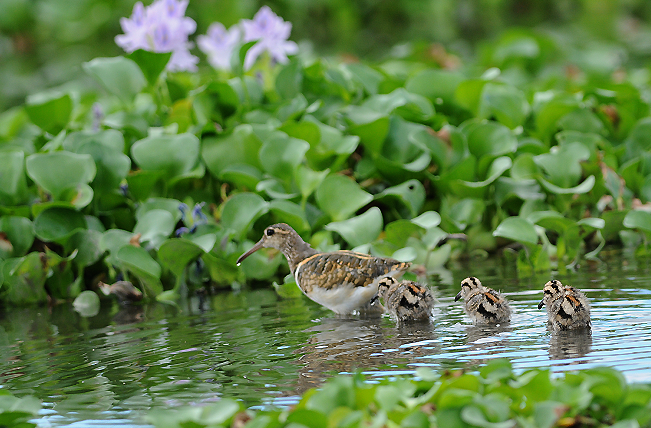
(50, 111)
(57, 224)
(20, 232)
(435, 84)
(176, 254)
(155, 226)
(87, 244)
(87, 304)
(340, 197)
(57, 172)
(119, 76)
(506, 103)
(138, 261)
(173, 154)
(490, 138)
(427, 220)
(241, 210)
(359, 230)
(13, 183)
(280, 155)
(411, 193)
(112, 240)
(167, 204)
(112, 165)
(584, 187)
(151, 64)
(517, 229)
(638, 220)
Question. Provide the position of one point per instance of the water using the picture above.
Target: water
(111, 369)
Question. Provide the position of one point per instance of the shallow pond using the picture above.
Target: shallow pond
(110, 369)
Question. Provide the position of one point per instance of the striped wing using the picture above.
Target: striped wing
(332, 270)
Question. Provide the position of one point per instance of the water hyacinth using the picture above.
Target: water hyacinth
(271, 32)
(219, 43)
(161, 27)
(198, 218)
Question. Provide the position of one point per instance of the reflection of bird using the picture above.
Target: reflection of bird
(484, 305)
(342, 281)
(124, 291)
(570, 345)
(405, 300)
(567, 307)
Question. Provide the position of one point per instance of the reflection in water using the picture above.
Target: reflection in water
(570, 345)
(340, 345)
(256, 347)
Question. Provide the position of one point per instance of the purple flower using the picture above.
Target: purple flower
(271, 32)
(160, 27)
(198, 217)
(218, 44)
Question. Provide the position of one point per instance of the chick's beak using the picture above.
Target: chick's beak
(456, 299)
(541, 304)
(253, 249)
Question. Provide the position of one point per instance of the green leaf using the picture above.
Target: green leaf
(13, 183)
(155, 226)
(119, 76)
(435, 84)
(50, 111)
(57, 224)
(340, 197)
(58, 172)
(370, 126)
(87, 244)
(25, 279)
(427, 220)
(563, 166)
(138, 261)
(20, 232)
(112, 166)
(280, 155)
(308, 180)
(363, 229)
(637, 219)
(173, 154)
(112, 240)
(411, 193)
(151, 64)
(506, 103)
(172, 206)
(109, 138)
(87, 304)
(239, 147)
(290, 213)
(584, 187)
(241, 210)
(490, 138)
(177, 254)
(517, 229)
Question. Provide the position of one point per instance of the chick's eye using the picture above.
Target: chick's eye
(270, 232)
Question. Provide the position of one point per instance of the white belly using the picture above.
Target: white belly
(344, 299)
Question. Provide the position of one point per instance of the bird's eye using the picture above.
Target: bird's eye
(270, 232)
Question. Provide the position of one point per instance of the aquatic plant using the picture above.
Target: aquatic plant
(494, 397)
(508, 152)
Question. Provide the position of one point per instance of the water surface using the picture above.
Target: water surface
(112, 368)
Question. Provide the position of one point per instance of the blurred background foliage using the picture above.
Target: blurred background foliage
(44, 42)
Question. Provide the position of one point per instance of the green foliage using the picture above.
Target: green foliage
(495, 397)
(390, 157)
(17, 412)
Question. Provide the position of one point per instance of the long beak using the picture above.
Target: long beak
(541, 304)
(456, 299)
(253, 249)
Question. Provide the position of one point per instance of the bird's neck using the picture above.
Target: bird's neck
(297, 250)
